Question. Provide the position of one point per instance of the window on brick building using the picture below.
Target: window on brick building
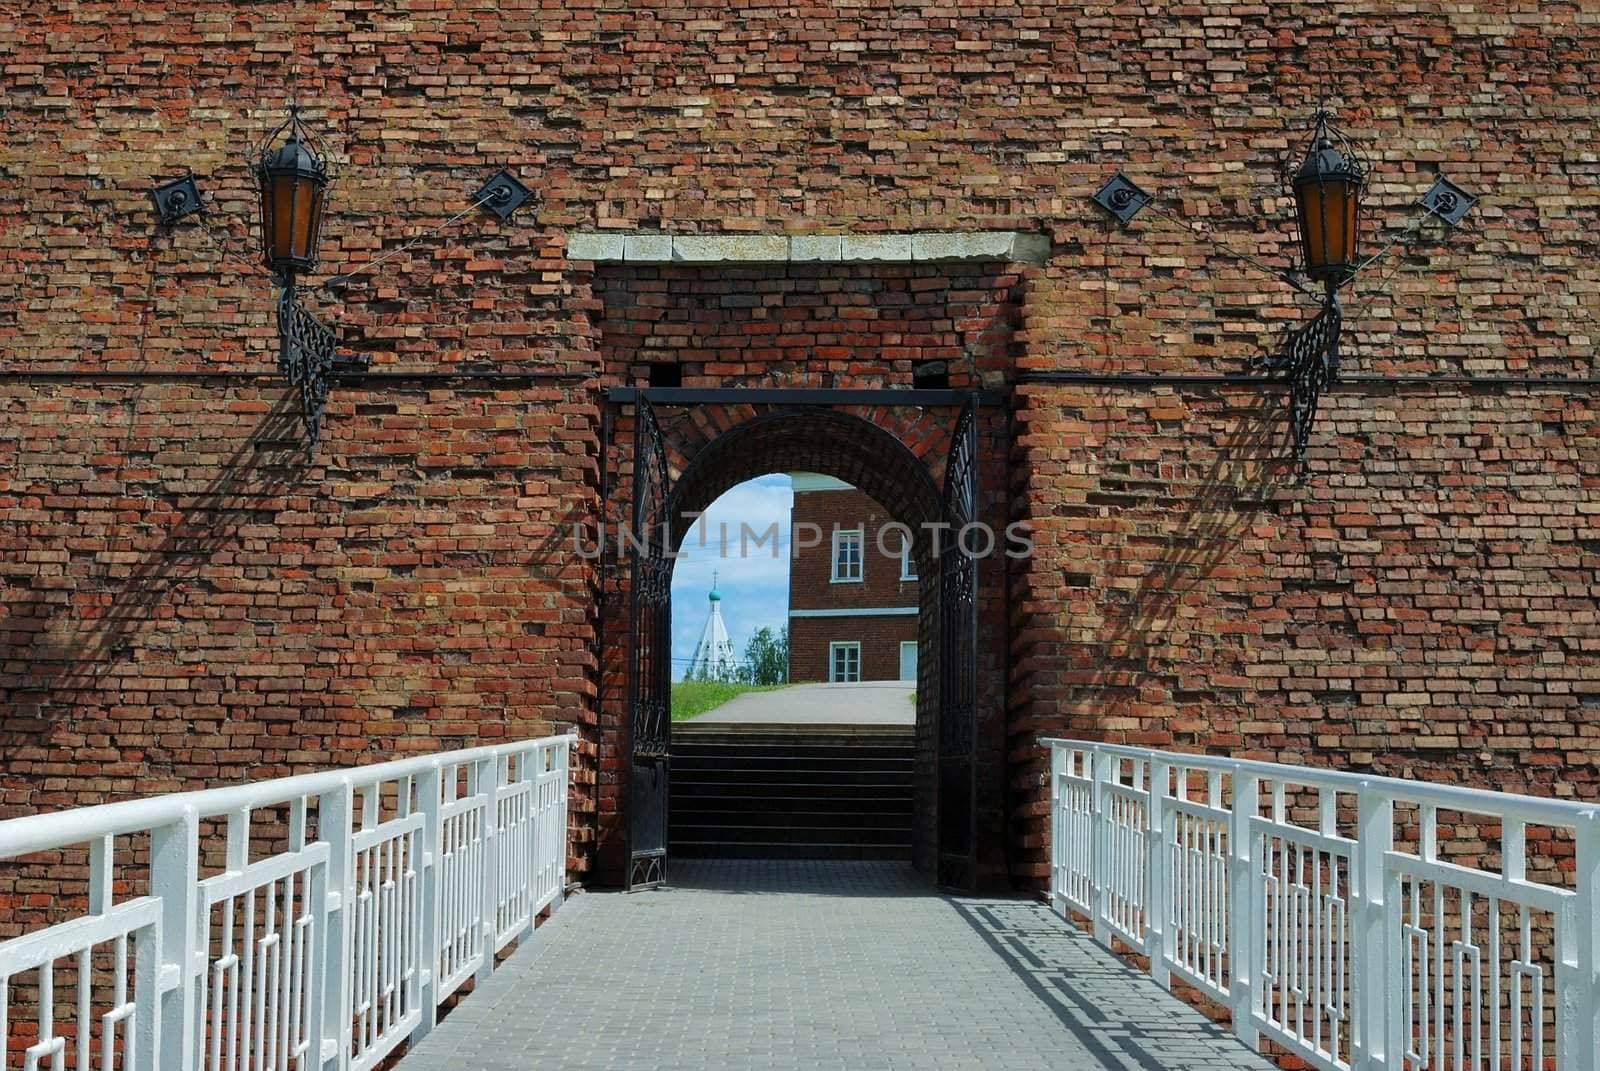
(844, 662)
(847, 544)
(908, 564)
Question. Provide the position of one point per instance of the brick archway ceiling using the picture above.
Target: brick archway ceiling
(835, 444)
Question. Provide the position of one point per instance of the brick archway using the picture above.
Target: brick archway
(868, 334)
(838, 444)
(894, 452)
(873, 459)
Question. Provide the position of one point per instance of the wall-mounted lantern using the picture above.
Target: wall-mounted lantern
(1327, 200)
(291, 172)
(1327, 183)
(292, 178)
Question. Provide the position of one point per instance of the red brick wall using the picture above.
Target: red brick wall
(189, 600)
(811, 585)
(1427, 611)
(803, 325)
(1423, 601)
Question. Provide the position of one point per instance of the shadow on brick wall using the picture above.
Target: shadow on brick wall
(1185, 527)
(63, 636)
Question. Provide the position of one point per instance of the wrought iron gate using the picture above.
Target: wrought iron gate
(649, 664)
(648, 718)
(958, 660)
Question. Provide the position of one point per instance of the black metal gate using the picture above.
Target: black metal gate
(958, 659)
(649, 662)
(649, 671)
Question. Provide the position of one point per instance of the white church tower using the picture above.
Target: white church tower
(713, 655)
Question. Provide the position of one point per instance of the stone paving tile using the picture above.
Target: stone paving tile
(815, 965)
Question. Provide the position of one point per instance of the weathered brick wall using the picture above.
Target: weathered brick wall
(189, 599)
(1419, 503)
(798, 119)
(1430, 612)
(805, 325)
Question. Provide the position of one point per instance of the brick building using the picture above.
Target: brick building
(852, 605)
(810, 205)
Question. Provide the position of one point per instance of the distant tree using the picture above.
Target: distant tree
(766, 657)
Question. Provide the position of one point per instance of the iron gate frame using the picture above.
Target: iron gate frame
(648, 712)
(956, 789)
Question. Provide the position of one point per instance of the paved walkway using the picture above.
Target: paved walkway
(815, 966)
(862, 703)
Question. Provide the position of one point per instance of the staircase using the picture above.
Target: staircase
(802, 793)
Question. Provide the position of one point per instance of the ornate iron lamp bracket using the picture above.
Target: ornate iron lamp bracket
(1309, 362)
(306, 357)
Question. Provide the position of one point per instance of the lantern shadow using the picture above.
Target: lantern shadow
(1170, 627)
(58, 644)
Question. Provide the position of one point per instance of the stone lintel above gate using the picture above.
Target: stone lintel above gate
(1013, 247)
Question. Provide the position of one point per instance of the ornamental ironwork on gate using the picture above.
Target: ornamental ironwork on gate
(649, 662)
(958, 660)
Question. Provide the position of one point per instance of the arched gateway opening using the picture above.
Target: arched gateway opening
(934, 496)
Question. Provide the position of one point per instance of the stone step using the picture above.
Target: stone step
(818, 741)
(776, 850)
(809, 834)
(701, 818)
(771, 760)
(782, 750)
(747, 784)
(886, 807)
(801, 794)
(792, 782)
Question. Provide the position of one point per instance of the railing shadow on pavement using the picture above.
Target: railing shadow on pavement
(1122, 1018)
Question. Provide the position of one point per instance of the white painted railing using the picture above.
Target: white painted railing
(1356, 921)
(311, 922)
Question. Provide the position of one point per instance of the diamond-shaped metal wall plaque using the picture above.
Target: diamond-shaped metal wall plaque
(503, 194)
(176, 199)
(1448, 201)
(1121, 197)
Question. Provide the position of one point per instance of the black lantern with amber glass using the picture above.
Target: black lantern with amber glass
(1327, 197)
(292, 173)
(1327, 181)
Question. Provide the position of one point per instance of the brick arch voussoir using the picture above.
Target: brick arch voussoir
(869, 454)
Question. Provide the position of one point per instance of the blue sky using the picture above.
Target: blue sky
(754, 584)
